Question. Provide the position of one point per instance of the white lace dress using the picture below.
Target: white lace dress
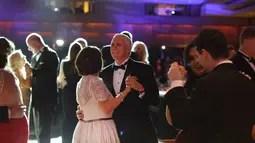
(90, 90)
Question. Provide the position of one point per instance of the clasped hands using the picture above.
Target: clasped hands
(131, 81)
(176, 72)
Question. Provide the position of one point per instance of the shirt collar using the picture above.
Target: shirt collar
(40, 51)
(115, 63)
(224, 62)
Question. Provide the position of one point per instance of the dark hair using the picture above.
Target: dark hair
(3, 60)
(213, 41)
(191, 76)
(73, 51)
(248, 32)
(6, 48)
(89, 61)
(186, 50)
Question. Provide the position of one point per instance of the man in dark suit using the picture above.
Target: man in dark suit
(244, 60)
(44, 65)
(221, 106)
(132, 115)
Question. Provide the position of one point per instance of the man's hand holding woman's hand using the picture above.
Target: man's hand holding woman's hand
(176, 72)
(131, 81)
(79, 113)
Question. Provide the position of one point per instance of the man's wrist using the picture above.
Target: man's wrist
(141, 89)
(177, 83)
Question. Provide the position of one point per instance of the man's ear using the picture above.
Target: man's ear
(129, 49)
(204, 53)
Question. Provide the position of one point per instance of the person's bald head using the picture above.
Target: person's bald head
(127, 39)
(128, 34)
(35, 42)
(120, 48)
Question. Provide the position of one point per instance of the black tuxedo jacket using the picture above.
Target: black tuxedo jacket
(243, 65)
(132, 115)
(44, 85)
(221, 107)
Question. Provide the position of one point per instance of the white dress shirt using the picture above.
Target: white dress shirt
(38, 54)
(118, 76)
(180, 83)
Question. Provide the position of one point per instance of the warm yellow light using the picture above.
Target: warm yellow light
(86, 7)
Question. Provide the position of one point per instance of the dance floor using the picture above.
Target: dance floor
(53, 140)
(59, 140)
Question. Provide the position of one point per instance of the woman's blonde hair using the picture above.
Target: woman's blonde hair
(14, 59)
(140, 46)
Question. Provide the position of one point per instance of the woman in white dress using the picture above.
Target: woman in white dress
(95, 101)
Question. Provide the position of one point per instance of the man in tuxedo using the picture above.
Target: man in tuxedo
(44, 65)
(221, 107)
(132, 115)
(244, 60)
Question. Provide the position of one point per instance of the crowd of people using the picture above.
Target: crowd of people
(108, 92)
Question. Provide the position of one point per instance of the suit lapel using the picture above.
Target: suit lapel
(127, 73)
(36, 63)
(33, 61)
(245, 65)
(109, 80)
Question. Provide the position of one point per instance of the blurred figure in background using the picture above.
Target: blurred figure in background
(244, 58)
(18, 63)
(44, 65)
(81, 41)
(107, 57)
(141, 52)
(67, 79)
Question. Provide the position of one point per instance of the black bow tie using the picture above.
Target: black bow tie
(123, 66)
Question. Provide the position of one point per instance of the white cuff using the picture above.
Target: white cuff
(177, 83)
(141, 95)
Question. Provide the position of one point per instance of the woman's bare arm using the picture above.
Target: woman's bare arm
(168, 116)
(110, 104)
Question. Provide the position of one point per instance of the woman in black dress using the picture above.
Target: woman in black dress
(67, 79)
